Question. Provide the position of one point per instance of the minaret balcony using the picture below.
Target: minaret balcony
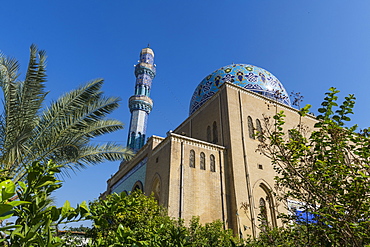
(145, 68)
(140, 102)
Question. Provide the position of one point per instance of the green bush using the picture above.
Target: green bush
(36, 220)
(138, 220)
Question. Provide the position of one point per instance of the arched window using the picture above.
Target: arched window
(215, 132)
(156, 188)
(209, 133)
(132, 139)
(212, 163)
(142, 89)
(269, 209)
(259, 129)
(138, 186)
(250, 127)
(138, 141)
(147, 91)
(263, 214)
(202, 161)
(192, 158)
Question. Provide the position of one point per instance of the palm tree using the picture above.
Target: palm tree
(62, 131)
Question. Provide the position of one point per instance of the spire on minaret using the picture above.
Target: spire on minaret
(140, 104)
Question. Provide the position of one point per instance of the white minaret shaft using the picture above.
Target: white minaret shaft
(140, 104)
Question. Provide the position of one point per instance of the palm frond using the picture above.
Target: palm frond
(99, 128)
(9, 68)
(31, 90)
(66, 106)
(22, 101)
(9, 73)
(62, 131)
(72, 139)
(95, 154)
(73, 125)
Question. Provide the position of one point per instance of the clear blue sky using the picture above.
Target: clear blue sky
(309, 45)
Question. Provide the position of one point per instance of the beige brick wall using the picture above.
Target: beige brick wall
(243, 176)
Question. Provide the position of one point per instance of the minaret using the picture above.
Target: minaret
(140, 104)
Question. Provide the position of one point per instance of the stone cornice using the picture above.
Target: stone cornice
(160, 145)
(195, 142)
(264, 98)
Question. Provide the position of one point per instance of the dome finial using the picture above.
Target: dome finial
(148, 45)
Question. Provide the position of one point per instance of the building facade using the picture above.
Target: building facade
(208, 166)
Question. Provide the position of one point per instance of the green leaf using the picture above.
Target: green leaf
(4, 208)
(17, 203)
(7, 190)
(321, 110)
(303, 112)
(22, 185)
(84, 210)
(55, 213)
(66, 209)
(45, 184)
(9, 227)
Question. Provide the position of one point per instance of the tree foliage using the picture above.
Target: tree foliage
(125, 219)
(138, 220)
(61, 131)
(282, 236)
(36, 219)
(326, 170)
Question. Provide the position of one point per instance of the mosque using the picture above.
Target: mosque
(208, 166)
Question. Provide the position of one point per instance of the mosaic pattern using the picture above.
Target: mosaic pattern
(140, 104)
(244, 75)
(129, 179)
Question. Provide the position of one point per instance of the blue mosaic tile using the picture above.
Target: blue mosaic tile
(248, 76)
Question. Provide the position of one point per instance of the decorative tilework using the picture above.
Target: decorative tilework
(127, 181)
(248, 76)
(140, 104)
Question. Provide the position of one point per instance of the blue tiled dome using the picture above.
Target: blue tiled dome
(244, 75)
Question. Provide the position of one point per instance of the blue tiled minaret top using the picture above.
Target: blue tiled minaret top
(140, 104)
